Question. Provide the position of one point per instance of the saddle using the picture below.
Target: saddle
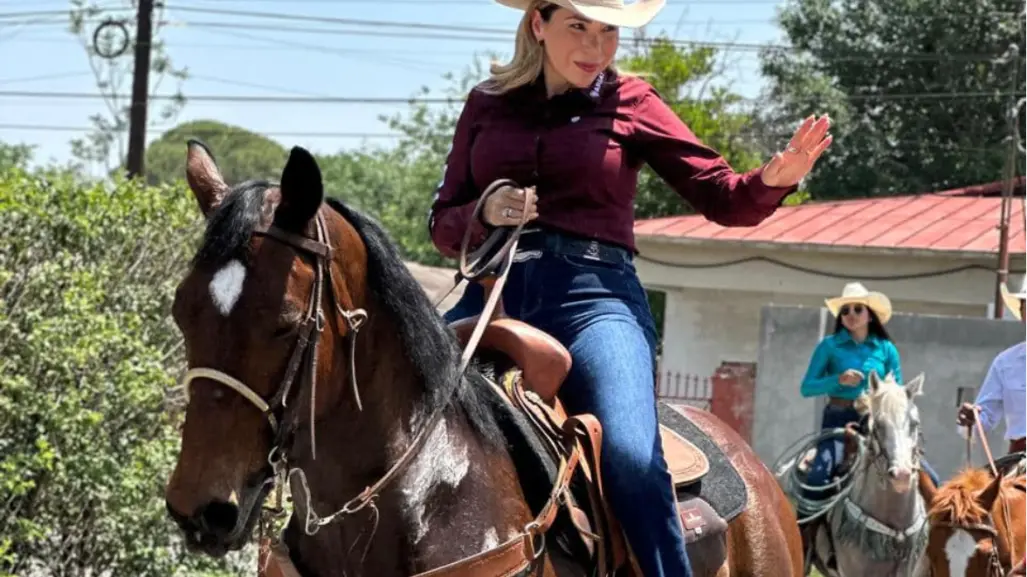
(543, 364)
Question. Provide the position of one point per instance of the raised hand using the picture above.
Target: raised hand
(807, 144)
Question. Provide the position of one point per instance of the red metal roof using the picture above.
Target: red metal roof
(955, 220)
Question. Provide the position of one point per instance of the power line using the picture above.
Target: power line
(481, 34)
(36, 78)
(59, 128)
(419, 66)
(480, 3)
(500, 31)
(242, 98)
(507, 38)
(36, 14)
(346, 21)
(385, 23)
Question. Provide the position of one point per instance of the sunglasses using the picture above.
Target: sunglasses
(855, 309)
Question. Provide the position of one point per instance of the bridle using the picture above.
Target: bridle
(876, 454)
(987, 524)
(307, 347)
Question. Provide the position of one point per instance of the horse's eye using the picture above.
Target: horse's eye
(288, 322)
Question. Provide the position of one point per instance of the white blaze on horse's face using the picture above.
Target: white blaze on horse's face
(959, 548)
(226, 286)
(896, 424)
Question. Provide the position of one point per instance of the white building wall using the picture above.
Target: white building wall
(712, 315)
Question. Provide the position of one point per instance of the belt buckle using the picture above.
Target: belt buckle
(592, 251)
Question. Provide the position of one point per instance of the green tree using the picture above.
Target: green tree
(396, 185)
(87, 355)
(15, 156)
(389, 185)
(241, 154)
(684, 78)
(919, 92)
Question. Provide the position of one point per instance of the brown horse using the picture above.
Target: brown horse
(977, 525)
(312, 349)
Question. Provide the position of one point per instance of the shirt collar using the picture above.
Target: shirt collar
(843, 337)
(591, 95)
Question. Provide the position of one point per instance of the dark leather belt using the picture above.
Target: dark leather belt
(840, 402)
(556, 243)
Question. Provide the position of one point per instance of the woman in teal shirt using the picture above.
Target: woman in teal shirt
(841, 365)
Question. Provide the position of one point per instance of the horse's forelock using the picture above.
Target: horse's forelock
(889, 402)
(231, 225)
(955, 502)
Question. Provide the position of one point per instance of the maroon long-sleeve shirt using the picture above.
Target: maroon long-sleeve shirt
(582, 150)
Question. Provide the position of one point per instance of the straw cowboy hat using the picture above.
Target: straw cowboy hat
(855, 292)
(1012, 300)
(612, 12)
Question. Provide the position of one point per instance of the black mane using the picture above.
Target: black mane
(231, 225)
(436, 355)
(428, 342)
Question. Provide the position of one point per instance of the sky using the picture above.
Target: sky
(231, 54)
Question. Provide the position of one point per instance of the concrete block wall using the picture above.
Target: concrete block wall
(952, 352)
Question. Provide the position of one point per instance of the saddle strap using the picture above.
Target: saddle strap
(610, 547)
(526, 548)
(545, 422)
(613, 552)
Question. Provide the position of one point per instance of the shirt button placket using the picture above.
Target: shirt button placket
(538, 157)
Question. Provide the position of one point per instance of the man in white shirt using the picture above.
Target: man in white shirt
(1002, 393)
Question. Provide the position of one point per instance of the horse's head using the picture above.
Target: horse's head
(246, 309)
(894, 427)
(969, 535)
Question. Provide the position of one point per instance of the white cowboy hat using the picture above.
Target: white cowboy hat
(612, 12)
(855, 292)
(1012, 300)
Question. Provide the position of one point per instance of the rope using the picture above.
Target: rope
(984, 441)
(787, 470)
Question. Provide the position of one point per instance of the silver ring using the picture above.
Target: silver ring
(507, 212)
(792, 149)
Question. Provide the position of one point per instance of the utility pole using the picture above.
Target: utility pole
(1008, 184)
(140, 89)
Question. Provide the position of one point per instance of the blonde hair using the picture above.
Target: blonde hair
(526, 64)
(529, 56)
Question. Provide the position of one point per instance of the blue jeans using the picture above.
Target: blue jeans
(831, 453)
(599, 311)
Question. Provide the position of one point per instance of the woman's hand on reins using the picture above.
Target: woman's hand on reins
(850, 378)
(807, 144)
(505, 207)
(966, 415)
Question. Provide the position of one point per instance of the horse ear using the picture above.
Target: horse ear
(302, 189)
(915, 388)
(986, 498)
(874, 381)
(203, 176)
(927, 489)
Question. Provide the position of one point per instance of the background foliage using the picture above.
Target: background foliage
(87, 355)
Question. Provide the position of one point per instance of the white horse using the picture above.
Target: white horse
(879, 528)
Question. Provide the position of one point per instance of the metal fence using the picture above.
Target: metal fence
(686, 388)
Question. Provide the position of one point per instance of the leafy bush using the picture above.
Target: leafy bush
(87, 356)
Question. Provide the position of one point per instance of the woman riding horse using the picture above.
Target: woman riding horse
(841, 364)
(560, 120)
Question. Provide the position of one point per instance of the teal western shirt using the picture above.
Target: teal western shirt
(838, 353)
